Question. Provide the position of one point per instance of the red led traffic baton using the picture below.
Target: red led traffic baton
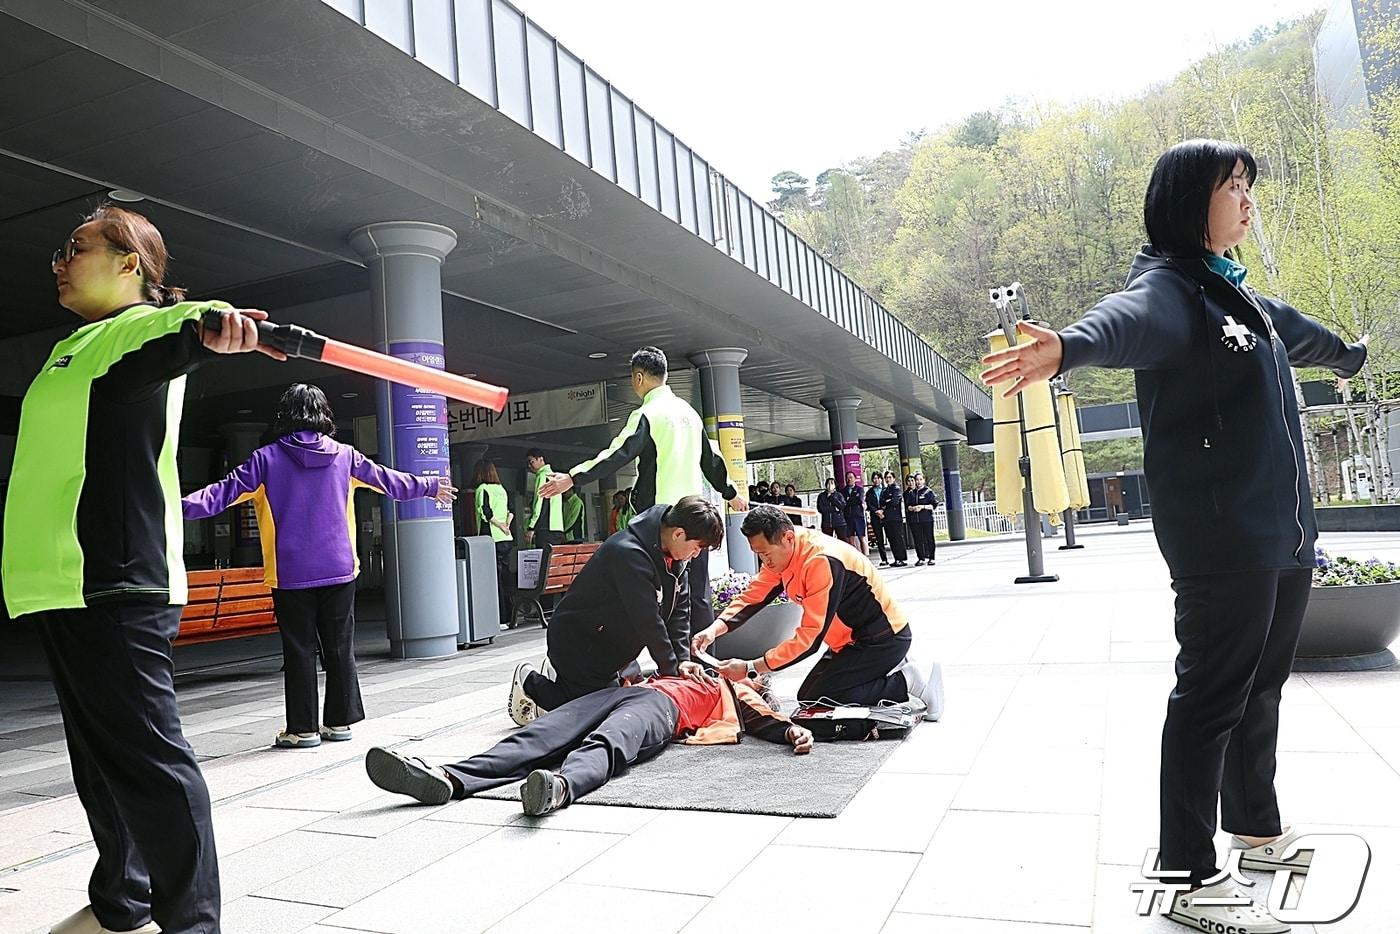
(299, 342)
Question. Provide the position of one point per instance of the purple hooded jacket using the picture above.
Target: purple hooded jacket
(302, 487)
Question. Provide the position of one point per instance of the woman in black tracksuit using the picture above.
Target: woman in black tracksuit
(891, 513)
(1232, 510)
(872, 506)
(831, 503)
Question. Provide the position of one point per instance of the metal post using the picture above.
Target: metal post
(1002, 299)
(1056, 386)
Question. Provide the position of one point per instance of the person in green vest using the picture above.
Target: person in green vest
(93, 546)
(573, 517)
(546, 524)
(493, 517)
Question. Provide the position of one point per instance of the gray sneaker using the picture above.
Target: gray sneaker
(406, 775)
(543, 792)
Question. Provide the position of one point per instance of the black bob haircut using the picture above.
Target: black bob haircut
(768, 521)
(698, 518)
(303, 407)
(651, 361)
(1177, 206)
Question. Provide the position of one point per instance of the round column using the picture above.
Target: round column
(845, 436)
(405, 264)
(722, 409)
(952, 490)
(911, 460)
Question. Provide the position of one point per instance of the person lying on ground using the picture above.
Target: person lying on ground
(578, 747)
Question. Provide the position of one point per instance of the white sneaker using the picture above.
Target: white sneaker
(925, 679)
(521, 708)
(85, 922)
(1249, 917)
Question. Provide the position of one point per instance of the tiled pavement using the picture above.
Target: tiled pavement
(1026, 811)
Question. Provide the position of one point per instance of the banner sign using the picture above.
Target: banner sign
(530, 413)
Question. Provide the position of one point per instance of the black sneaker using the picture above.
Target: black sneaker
(543, 792)
(406, 775)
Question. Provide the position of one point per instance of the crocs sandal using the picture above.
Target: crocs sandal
(1269, 857)
(1249, 917)
(287, 740)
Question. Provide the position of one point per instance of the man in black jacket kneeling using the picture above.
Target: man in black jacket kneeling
(632, 594)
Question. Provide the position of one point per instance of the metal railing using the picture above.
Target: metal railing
(494, 51)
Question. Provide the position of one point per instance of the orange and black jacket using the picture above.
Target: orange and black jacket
(843, 600)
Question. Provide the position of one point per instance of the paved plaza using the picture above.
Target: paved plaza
(1026, 811)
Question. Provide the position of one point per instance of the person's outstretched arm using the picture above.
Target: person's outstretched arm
(241, 483)
(1311, 344)
(398, 485)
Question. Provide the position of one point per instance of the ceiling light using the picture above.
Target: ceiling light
(349, 395)
(125, 194)
(469, 375)
(245, 411)
(597, 355)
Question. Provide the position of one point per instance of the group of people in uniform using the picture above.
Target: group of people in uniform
(93, 555)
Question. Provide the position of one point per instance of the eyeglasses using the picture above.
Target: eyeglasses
(73, 246)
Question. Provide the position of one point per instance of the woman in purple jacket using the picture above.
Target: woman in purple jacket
(302, 487)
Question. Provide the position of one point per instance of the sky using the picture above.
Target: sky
(759, 86)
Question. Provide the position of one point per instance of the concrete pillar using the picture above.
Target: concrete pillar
(952, 490)
(845, 436)
(243, 544)
(722, 408)
(405, 264)
(911, 460)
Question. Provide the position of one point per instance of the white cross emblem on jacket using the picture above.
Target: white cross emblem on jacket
(1240, 333)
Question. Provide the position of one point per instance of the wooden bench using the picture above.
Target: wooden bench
(564, 564)
(227, 603)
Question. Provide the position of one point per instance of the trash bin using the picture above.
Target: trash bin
(478, 610)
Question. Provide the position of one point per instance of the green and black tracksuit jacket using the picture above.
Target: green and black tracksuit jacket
(93, 510)
(673, 453)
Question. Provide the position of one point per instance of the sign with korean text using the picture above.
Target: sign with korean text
(530, 413)
(420, 430)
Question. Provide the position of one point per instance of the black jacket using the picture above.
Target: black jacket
(892, 502)
(1223, 447)
(832, 507)
(625, 599)
(872, 500)
(855, 496)
(918, 497)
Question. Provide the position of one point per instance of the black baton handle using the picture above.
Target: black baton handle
(291, 340)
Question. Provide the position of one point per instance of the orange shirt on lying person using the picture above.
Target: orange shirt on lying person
(842, 597)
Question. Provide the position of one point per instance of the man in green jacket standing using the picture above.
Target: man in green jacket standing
(667, 439)
(546, 522)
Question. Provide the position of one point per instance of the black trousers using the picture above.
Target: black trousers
(302, 617)
(860, 673)
(135, 773)
(588, 741)
(894, 528)
(1237, 635)
(878, 527)
(566, 686)
(923, 539)
(505, 579)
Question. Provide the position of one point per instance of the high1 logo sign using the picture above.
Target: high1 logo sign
(1321, 893)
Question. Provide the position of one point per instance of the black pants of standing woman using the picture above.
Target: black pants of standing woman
(505, 579)
(136, 775)
(923, 539)
(1237, 633)
(894, 528)
(302, 617)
